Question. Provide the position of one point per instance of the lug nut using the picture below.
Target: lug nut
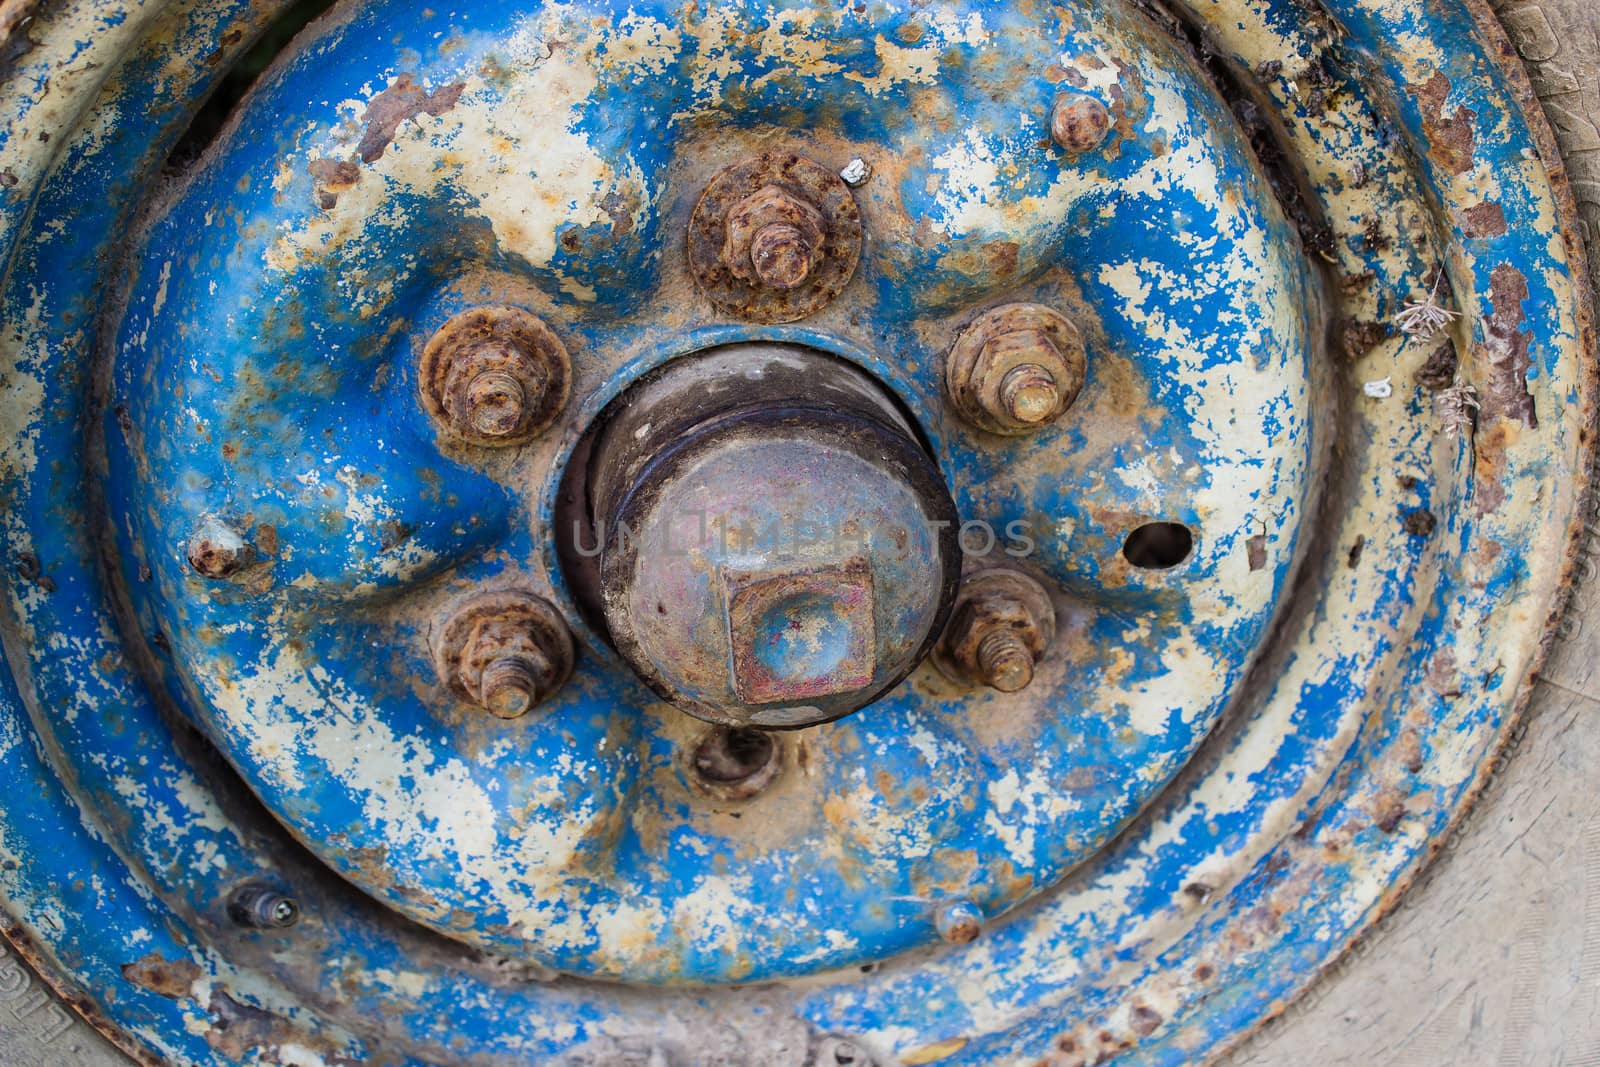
(217, 550)
(1016, 369)
(959, 922)
(495, 376)
(774, 237)
(1079, 123)
(262, 907)
(506, 652)
(1002, 623)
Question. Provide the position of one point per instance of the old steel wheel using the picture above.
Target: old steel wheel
(766, 534)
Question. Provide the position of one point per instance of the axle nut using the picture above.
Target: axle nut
(505, 652)
(1079, 123)
(494, 376)
(1016, 369)
(774, 238)
(1002, 623)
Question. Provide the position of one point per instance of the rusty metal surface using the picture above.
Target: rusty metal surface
(762, 193)
(495, 376)
(1428, 539)
(776, 548)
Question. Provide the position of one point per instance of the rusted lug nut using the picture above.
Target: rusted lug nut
(1016, 369)
(774, 239)
(506, 652)
(959, 922)
(262, 907)
(1002, 623)
(495, 376)
(217, 550)
(1079, 123)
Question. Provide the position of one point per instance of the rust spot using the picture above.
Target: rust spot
(1420, 522)
(240, 1030)
(1145, 1020)
(168, 978)
(229, 39)
(267, 539)
(1450, 137)
(1002, 257)
(1372, 233)
(1353, 560)
(29, 569)
(1505, 393)
(401, 101)
(1442, 676)
(1256, 549)
(1362, 337)
(330, 177)
(1409, 749)
(1388, 808)
(1487, 219)
(1439, 372)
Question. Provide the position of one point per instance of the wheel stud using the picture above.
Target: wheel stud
(1004, 661)
(1016, 369)
(774, 239)
(1079, 123)
(495, 376)
(1002, 623)
(1029, 394)
(492, 403)
(506, 652)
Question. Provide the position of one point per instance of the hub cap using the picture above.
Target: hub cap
(804, 540)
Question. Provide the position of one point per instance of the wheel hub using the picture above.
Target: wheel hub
(777, 548)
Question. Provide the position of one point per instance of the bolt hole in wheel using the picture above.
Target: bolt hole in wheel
(1158, 546)
(762, 534)
(737, 763)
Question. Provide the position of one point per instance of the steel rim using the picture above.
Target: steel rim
(1226, 937)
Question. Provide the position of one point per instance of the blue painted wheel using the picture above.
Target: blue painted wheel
(1130, 460)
